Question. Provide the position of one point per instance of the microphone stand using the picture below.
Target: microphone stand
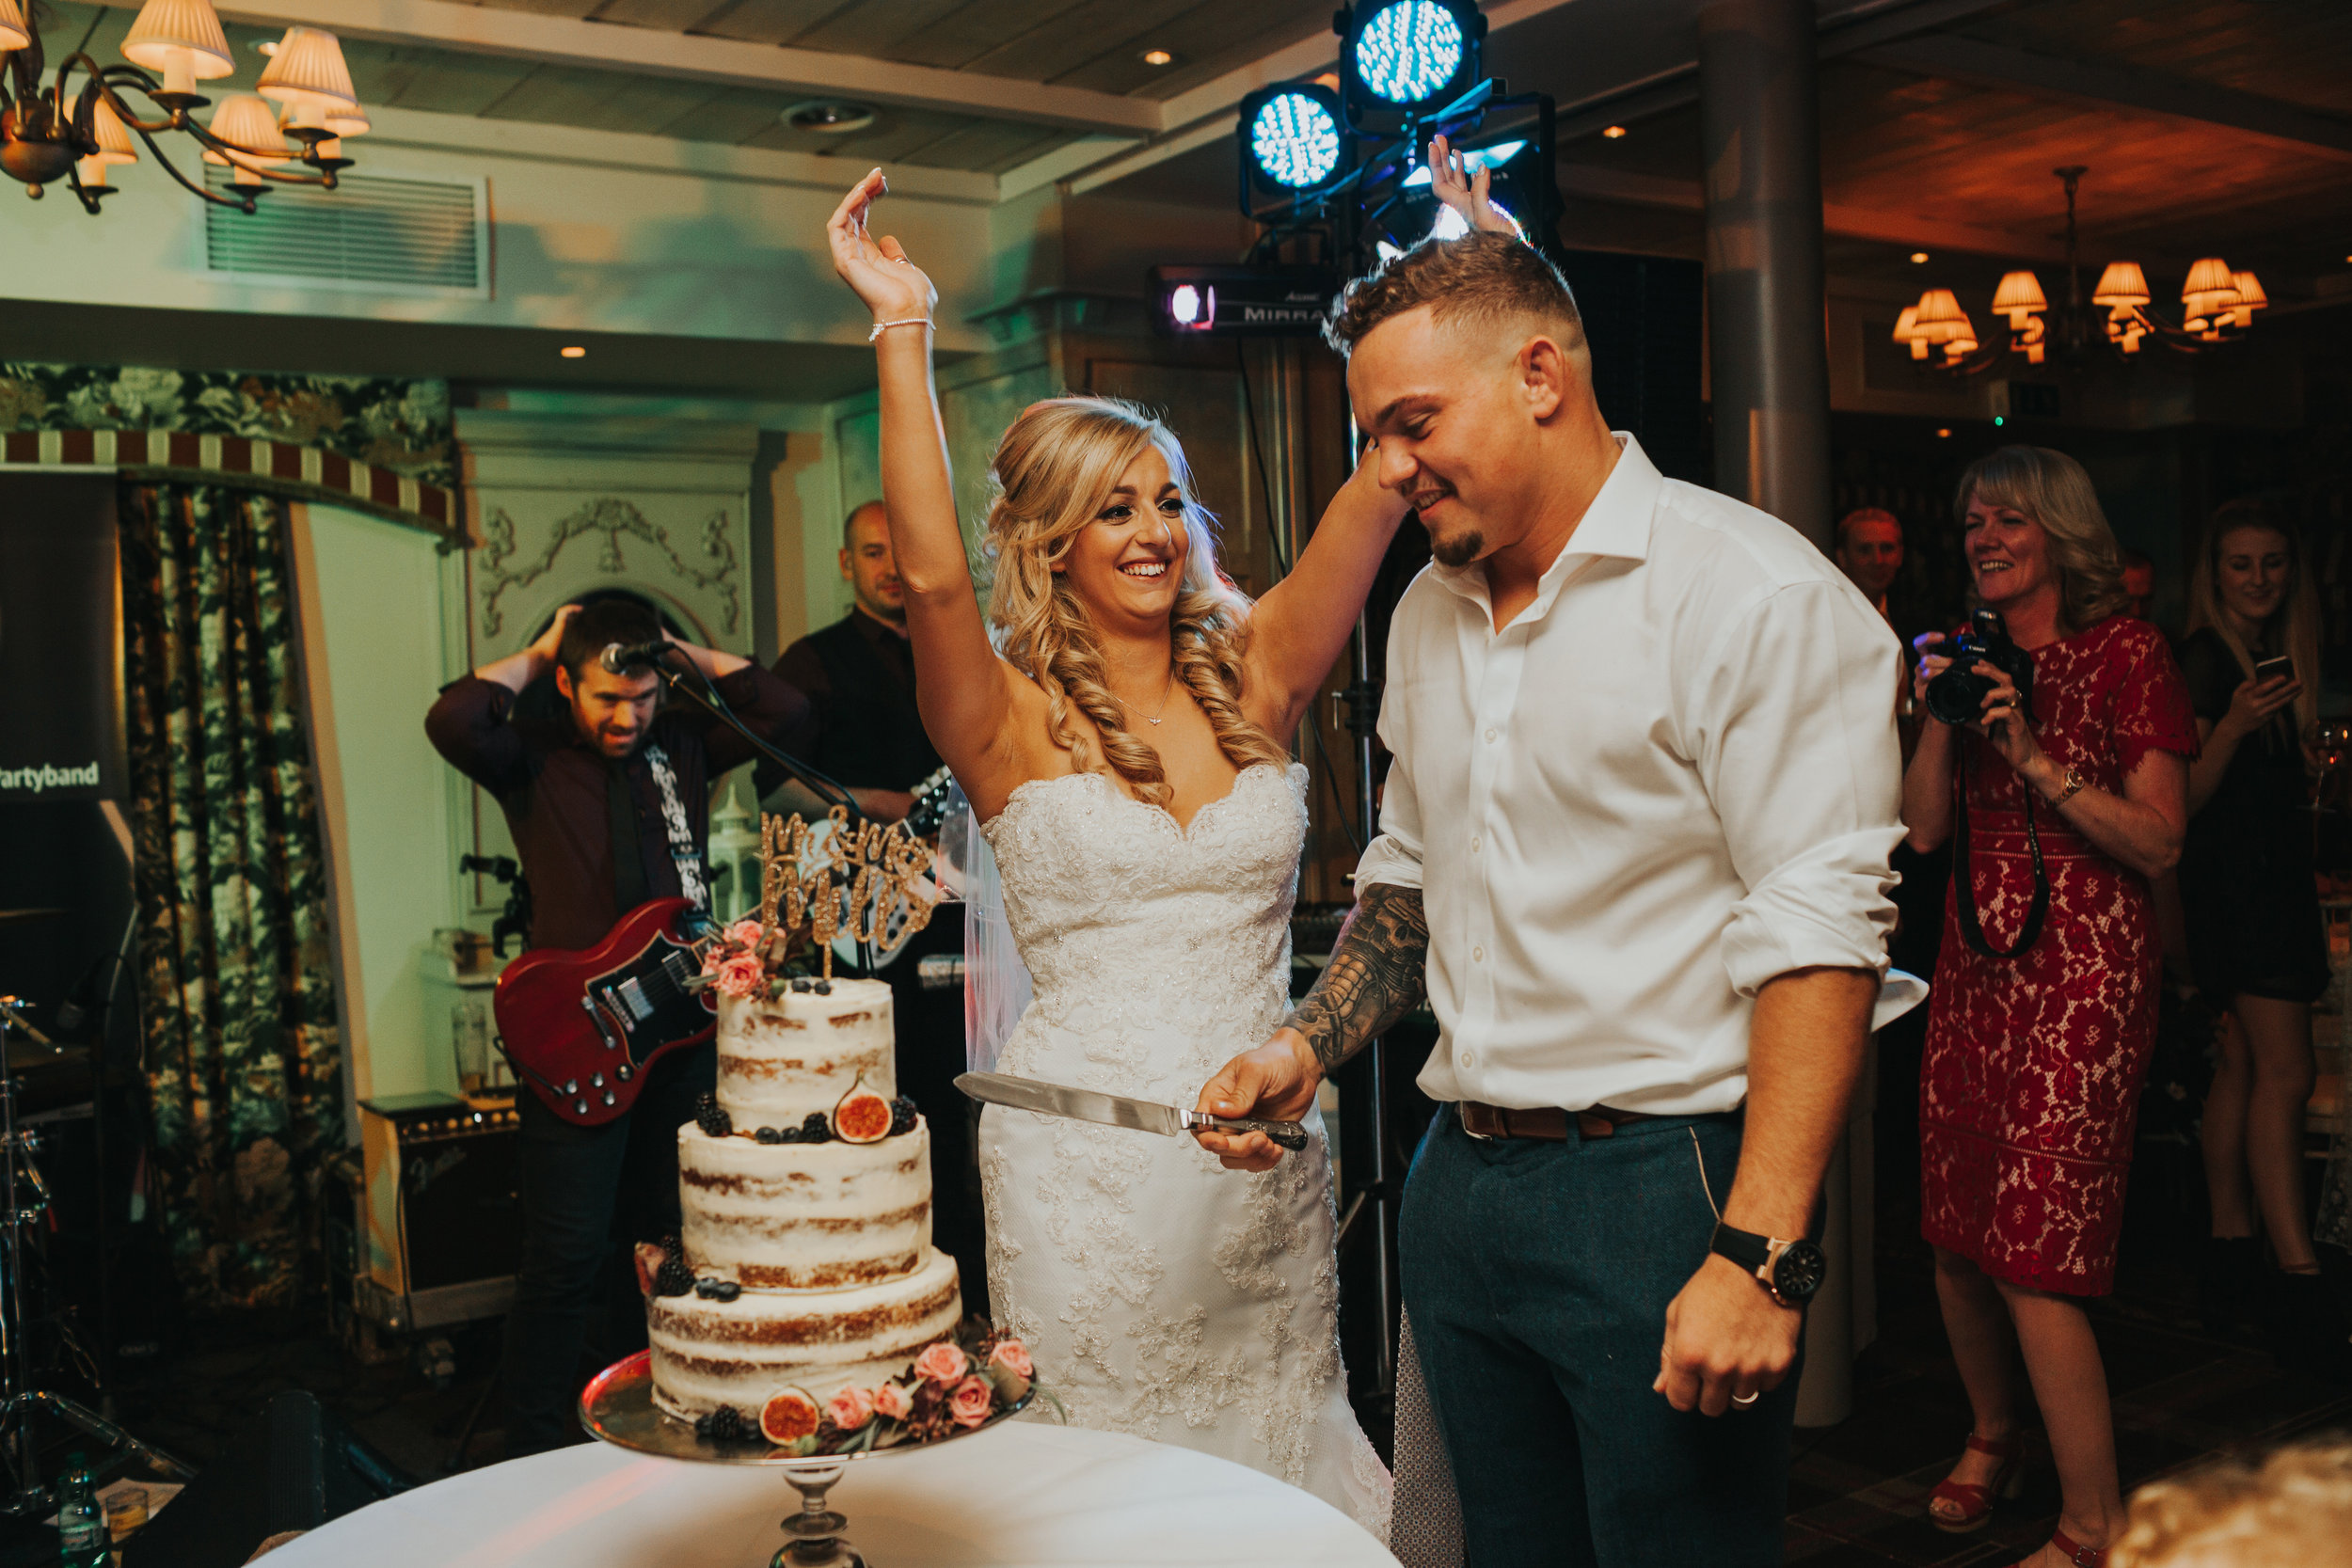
(831, 791)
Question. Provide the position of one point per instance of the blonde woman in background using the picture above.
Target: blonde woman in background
(2041, 1025)
(1126, 756)
(2252, 905)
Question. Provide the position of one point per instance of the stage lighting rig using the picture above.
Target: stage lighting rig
(1401, 60)
(1396, 207)
(1296, 148)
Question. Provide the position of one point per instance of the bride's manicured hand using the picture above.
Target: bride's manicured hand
(1465, 191)
(894, 288)
(1275, 1083)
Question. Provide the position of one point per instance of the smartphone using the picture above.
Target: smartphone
(2272, 669)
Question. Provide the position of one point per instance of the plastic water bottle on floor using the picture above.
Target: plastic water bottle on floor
(81, 1531)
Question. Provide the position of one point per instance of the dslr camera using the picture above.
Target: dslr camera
(1957, 695)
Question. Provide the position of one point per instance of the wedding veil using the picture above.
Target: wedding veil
(996, 986)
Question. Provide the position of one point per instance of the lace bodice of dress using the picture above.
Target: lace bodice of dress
(1155, 951)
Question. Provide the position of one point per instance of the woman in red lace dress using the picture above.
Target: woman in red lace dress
(2033, 1062)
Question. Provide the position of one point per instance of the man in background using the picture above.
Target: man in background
(1870, 553)
(859, 675)
(589, 793)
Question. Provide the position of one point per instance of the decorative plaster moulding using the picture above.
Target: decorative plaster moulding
(566, 504)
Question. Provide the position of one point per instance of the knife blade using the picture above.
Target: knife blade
(1116, 1110)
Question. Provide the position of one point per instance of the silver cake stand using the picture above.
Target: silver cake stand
(618, 1407)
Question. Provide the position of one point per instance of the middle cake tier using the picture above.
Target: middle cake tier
(825, 1216)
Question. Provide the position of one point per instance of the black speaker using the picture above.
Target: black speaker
(293, 1466)
(61, 710)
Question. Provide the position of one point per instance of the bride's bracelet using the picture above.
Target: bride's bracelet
(879, 328)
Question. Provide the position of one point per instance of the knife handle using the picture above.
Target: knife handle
(1285, 1134)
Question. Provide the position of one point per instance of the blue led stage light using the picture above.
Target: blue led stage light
(1294, 138)
(1408, 50)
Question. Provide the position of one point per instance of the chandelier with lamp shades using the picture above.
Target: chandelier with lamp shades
(2218, 308)
(290, 130)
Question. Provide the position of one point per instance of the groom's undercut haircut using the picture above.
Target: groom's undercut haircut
(1478, 279)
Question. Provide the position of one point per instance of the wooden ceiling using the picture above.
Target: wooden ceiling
(1084, 43)
(1964, 126)
(1095, 44)
(2206, 124)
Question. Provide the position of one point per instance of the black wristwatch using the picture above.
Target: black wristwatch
(1792, 1271)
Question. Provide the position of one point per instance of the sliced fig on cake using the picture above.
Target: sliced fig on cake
(650, 1256)
(861, 1117)
(790, 1416)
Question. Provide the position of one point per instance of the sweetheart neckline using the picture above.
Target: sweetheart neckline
(1183, 829)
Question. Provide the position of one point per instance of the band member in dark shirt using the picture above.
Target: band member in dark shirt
(587, 792)
(859, 675)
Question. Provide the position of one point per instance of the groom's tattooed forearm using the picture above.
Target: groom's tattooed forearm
(1378, 974)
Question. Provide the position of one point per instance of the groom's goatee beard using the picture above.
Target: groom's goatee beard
(1458, 549)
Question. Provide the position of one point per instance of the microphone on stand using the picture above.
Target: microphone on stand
(619, 659)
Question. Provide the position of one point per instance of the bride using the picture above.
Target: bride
(1126, 757)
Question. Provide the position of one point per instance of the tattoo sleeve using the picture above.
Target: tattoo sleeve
(1378, 973)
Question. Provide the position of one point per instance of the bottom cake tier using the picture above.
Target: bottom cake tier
(740, 1353)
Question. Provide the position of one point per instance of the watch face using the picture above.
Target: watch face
(1802, 1267)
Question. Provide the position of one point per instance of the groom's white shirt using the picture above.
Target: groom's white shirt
(1672, 778)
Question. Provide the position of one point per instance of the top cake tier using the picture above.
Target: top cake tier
(782, 1058)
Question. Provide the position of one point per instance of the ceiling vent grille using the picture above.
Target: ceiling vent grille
(373, 232)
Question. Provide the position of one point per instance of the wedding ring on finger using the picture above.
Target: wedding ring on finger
(1743, 1400)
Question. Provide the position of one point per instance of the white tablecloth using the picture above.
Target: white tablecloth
(1025, 1493)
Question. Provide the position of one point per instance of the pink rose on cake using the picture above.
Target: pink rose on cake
(1011, 1370)
(970, 1401)
(741, 975)
(892, 1399)
(743, 933)
(944, 1362)
(850, 1409)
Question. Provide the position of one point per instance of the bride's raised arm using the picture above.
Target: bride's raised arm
(964, 690)
(1301, 624)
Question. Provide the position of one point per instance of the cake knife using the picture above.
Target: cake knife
(1116, 1110)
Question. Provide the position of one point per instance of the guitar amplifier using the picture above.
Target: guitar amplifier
(444, 1222)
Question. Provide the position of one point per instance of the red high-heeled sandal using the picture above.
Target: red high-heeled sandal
(1973, 1501)
(2077, 1553)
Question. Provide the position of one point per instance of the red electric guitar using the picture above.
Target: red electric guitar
(583, 1027)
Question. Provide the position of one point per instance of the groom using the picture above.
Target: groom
(1633, 853)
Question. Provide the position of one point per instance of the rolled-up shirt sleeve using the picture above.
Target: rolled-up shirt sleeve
(1796, 748)
(1394, 857)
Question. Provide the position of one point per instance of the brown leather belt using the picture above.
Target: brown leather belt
(1547, 1122)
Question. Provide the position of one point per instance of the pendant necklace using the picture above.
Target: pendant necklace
(1164, 696)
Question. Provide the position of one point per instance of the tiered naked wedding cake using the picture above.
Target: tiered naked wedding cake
(805, 1257)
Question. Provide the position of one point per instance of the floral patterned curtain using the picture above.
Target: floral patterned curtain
(243, 1057)
(392, 423)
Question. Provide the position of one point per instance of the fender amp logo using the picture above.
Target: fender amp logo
(30, 780)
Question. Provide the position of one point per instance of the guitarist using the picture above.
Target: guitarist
(859, 675)
(588, 795)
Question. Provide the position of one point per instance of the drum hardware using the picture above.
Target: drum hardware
(26, 1494)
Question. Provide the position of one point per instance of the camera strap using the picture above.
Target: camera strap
(1964, 873)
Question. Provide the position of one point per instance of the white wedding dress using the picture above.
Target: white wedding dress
(1161, 1294)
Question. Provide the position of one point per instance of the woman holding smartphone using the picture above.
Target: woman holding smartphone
(2254, 933)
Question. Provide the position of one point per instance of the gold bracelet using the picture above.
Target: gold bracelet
(2075, 783)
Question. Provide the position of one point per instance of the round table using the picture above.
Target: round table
(1026, 1493)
